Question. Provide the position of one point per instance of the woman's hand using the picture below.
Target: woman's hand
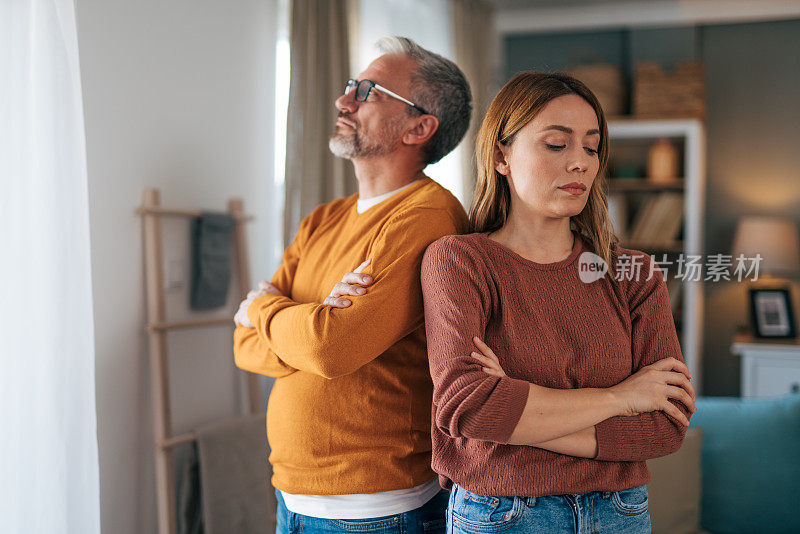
(651, 387)
(491, 364)
(351, 284)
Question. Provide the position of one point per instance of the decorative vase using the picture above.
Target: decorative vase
(662, 161)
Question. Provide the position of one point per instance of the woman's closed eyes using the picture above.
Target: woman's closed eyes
(591, 151)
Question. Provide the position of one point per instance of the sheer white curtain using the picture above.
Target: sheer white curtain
(48, 448)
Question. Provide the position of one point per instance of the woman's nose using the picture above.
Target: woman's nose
(580, 161)
(578, 165)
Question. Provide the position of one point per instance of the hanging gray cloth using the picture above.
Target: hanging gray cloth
(235, 477)
(212, 238)
(190, 508)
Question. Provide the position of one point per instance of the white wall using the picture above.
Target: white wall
(177, 95)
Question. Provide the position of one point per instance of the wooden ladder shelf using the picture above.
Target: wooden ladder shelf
(157, 328)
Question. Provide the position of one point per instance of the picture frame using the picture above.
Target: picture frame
(771, 313)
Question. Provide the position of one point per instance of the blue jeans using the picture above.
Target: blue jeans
(427, 519)
(584, 513)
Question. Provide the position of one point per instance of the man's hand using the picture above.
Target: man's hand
(264, 288)
(350, 285)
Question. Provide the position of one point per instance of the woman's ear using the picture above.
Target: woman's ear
(424, 129)
(500, 163)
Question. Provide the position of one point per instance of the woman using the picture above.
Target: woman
(546, 426)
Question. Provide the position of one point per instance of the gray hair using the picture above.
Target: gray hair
(438, 86)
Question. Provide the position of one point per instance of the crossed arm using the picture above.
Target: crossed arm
(259, 358)
(325, 339)
(571, 415)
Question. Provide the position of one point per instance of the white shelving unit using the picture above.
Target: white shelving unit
(692, 132)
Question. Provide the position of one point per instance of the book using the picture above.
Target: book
(673, 218)
(643, 217)
(659, 219)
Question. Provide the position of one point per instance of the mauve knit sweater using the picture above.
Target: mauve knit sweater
(549, 328)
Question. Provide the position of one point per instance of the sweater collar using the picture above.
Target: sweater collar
(577, 248)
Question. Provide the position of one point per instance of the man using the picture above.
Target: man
(341, 326)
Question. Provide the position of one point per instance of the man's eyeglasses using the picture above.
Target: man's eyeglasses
(363, 87)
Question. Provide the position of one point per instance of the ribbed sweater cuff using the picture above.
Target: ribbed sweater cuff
(508, 421)
(607, 445)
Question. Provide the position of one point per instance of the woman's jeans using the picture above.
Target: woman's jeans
(427, 519)
(584, 513)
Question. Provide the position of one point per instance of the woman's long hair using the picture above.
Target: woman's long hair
(517, 103)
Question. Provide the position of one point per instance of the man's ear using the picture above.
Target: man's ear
(426, 126)
(500, 163)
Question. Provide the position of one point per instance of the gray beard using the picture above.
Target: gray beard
(356, 145)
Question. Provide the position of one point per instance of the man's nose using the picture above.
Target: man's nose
(347, 102)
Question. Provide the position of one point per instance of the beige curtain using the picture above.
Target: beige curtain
(320, 63)
(472, 31)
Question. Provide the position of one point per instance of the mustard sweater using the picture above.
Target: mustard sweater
(350, 411)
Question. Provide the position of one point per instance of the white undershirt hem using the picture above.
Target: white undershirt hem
(363, 505)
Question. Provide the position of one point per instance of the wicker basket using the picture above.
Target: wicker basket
(660, 94)
(606, 82)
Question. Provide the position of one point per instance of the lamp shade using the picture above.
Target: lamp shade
(775, 238)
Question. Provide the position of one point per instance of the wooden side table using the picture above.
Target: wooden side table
(770, 367)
